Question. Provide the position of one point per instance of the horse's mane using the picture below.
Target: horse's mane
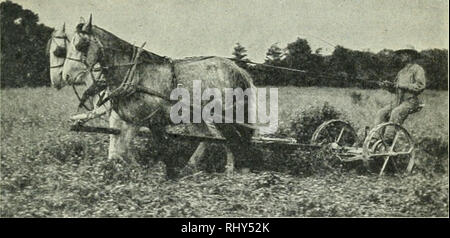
(194, 58)
(109, 40)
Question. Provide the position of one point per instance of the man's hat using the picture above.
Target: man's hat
(409, 51)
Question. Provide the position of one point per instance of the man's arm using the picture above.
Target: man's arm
(420, 79)
(419, 83)
(387, 85)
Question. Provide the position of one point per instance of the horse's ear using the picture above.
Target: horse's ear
(89, 25)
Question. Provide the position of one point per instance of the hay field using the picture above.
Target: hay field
(47, 171)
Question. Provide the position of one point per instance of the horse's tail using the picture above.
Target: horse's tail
(244, 80)
(240, 134)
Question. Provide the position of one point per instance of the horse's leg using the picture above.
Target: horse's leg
(229, 167)
(119, 144)
(198, 153)
(238, 144)
(161, 143)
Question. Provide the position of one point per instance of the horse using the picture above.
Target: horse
(57, 50)
(91, 45)
(118, 145)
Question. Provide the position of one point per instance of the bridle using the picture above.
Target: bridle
(66, 39)
(91, 68)
(58, 45)
(95, 80)
(102, 68)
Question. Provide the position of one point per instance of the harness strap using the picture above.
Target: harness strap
(126, 88)
(65, 46)
(92, 91)
(61, 37)
(129, 85)
(57, 66)
(94, 88)
(79, 99)
(103, 67)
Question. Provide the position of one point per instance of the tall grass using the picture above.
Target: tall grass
(48, 171)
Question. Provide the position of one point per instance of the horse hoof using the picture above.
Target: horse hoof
(77, 122)
(114, 156)
(188, 170)
(171, 174)
(229, 171)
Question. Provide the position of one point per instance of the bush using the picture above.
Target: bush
(305, 122)
(303, 161)
(432, 155)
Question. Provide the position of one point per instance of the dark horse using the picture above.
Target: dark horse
(91, 45)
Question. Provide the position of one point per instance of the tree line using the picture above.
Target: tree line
(343, 68)
(23, 41)
(24, 61)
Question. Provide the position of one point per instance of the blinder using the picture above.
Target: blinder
(83, 45)
(60, 52)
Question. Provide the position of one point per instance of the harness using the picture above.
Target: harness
(87, 93)
(130, 84)
(66, 39)
(65, 46)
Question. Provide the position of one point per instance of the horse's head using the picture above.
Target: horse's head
(56, 50)
(83, 52)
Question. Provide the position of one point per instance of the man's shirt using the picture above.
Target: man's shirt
(412, 78)
(410, 82)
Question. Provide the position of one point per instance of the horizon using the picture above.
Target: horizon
(214, 27)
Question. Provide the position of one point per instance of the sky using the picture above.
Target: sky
(178, 29)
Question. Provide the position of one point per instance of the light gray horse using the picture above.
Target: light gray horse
(118, 145)
(56, 50)
(91, 45)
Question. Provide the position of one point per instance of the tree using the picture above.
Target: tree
(343, 64)
(271, 76)
(23, 43)
(240, 55)
(274, 55)
(435, 63)
(298, 55)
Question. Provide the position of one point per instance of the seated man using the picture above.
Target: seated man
(409, 83)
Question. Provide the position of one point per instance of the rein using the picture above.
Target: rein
(82, 104)
(128, 85)
(126, 88)
(80, 99)
(268, 65)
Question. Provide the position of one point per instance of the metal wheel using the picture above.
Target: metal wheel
(389, 152)
(338, 133)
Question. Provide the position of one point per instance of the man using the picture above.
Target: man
(409, 83)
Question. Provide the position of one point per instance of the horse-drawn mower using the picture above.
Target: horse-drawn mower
(375, 151)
